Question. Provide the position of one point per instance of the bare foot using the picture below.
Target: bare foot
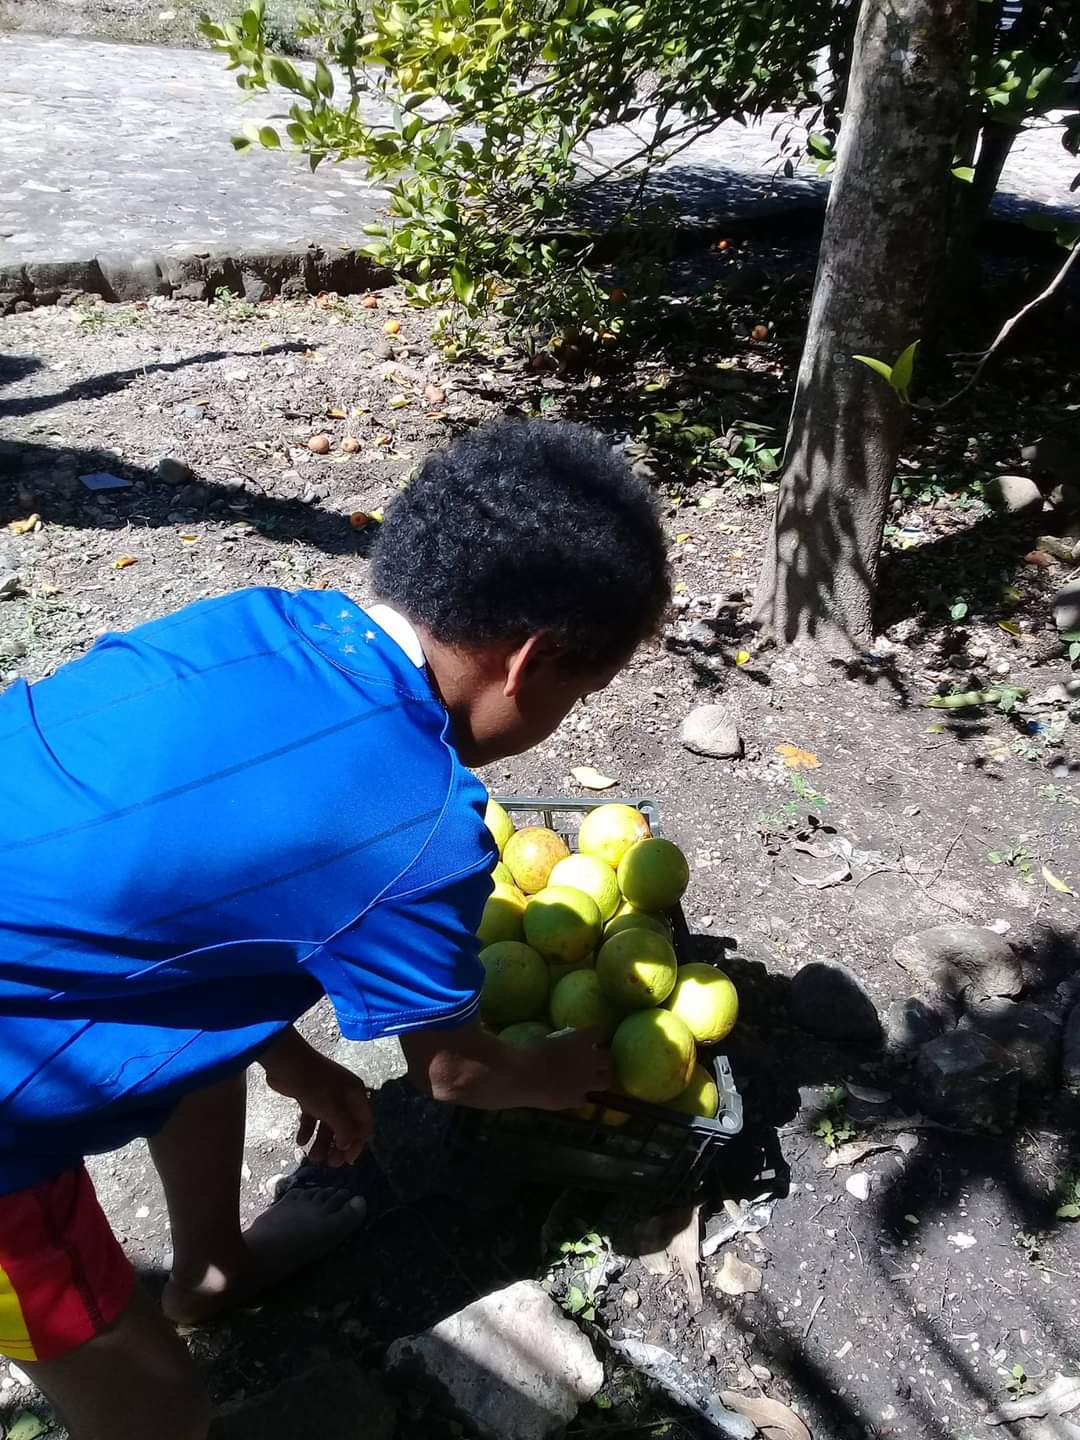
(302, 1226)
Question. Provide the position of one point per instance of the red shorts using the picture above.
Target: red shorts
(63, 1275)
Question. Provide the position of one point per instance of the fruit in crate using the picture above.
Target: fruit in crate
(637, 968)
(627, 918)
(524, 1034)
(578, 1002)
(700, 1097)
(654, 1055)
(499, 823)
(597, 880)
(705, 1001)
(503, 917)
(562, 924)
(608, 832)
(653, 874)
(531, 855)
(515, 983)
(501, 874)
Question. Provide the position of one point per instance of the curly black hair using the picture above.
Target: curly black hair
(522, 527)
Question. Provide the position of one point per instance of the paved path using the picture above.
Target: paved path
(125, 150)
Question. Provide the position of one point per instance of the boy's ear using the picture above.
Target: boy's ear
(521, 663)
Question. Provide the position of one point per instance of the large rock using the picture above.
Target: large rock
(333, 1402)
(712, 730)
(828, 1000)
(965, 962)
(1028, 1035)
(1070, 1050)
(1013, 495)
(964, 1079)
(910, 1023)
(511, 1365)
(1067, 607)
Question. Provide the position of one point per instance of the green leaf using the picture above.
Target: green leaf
(904, 370)
(324, 81)
(958, 611)
(269, 138)
(878, 365)
(1056, 883)
(966, 173)
(284, 73)
(463, 282)
(1071, 1211)
(27, 1426)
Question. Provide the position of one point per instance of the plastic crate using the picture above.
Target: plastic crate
(658, 1151)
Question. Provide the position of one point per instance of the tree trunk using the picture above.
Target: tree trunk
(879, 275)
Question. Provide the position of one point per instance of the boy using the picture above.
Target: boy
(207, 823)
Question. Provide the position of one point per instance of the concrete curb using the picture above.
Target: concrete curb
(255, 274)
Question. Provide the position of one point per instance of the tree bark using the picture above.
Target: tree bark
(879, 275)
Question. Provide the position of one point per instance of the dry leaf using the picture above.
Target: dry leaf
(1011, 628)
(796, 758)
(123, 561)
(23, 527)
(398, 402)
(736, 1277)
(1056, 883)
(188, 539)
(1060, 1396)
(591, 779)
(681, 539)
(335, 412)
(773, 1420)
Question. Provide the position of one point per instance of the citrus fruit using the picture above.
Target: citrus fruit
(608, 832)
(531, 854)
(700, 1097)
(653, 874)
(524, 1034)
(654, 1056)
(585, 872)
(503, 917)
(558, 968)
(637, 968)
(499, 823)
(705, 1001)
(579, 1003)
(501, 874)
(515, 983)
(563, 924)
(628, 918)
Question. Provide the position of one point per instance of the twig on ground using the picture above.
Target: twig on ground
(813, 1315)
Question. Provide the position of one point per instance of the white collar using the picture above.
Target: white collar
(400, 631)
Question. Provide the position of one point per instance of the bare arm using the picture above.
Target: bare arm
(469, 1066)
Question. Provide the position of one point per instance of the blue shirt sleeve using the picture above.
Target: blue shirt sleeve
(411, 962)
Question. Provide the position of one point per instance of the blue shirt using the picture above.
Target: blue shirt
(205, 824)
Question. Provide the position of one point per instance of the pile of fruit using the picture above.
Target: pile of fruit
(583, 941)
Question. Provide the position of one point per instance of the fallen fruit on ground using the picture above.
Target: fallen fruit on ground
(654, 1055)
(653, 874)
(705, 1001)
(578, 1002)
(524, 1034)
(499, 823)
(515, 983)
(531, 855)
(700, 1097)
(587, 873)
(637, 968)
(503, 917)
(562, 924)
(627, 918)
(608, 832)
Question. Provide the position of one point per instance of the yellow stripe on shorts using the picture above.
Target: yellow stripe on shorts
(15, 1342)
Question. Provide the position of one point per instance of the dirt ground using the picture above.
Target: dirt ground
(902, 1313)
(157, 22)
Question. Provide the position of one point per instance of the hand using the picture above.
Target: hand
(334, 1104)
(575, 1067)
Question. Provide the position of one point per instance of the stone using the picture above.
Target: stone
(910, 1023)
(964, 1079)
(1070, 1050)
(858, 1185)
(1061, 547)
(1028, 1035)
(712, 730)
(1064, 502)
(511, 1364)
(171, 471)
(1066, 607)
(336, 1401)
(828, 1000)
(131, 277)
(10, 584)
(968, 963)
(1013, 495)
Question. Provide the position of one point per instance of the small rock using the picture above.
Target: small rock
(10, 584)
(1060, 548)
(1066, 608)
(319, 444)
(1070, 1050)
(736, 1277)
(966, 1080)
(964, 962)
(962, 1240)
(910, 1023)
(350, 444)
(171, 471)
(702, 634)
(631, 1299)
(1013, 494)
(336, 1401)
(12, 647)
(828, 1000)
(712, 730)
(858, 1185)
(761, 1372)
(1027, 1034)
(512, 1364)
(866, 1104)
(19, 1376)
